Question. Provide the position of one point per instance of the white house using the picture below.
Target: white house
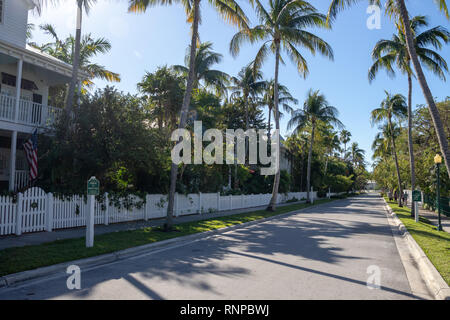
(25, 77)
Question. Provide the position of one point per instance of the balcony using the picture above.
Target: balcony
(30, 113)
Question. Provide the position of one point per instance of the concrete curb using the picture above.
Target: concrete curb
(433, 279)
(21, 277)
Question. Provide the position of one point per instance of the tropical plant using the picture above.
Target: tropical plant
(389, 53)
(316, 110)
(284, 98)
(63, 49)
(283, 26)
(231, 12)
(345, 138)
(248, 84)
(205, 58)
(397, 8)
(393, 106)
(357, 155)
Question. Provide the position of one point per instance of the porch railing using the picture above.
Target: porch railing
(30, 113)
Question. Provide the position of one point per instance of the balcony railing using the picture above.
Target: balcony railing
(30, 113)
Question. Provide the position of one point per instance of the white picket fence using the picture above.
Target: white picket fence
(36, 210)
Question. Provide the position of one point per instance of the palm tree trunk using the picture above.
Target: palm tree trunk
(399, 179)
(443, 144)
(410, 141)
(184, 112)
(76, 59)
(308, 169)
(269, 124)
(276, 182)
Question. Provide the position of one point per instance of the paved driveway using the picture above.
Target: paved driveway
(323, 252)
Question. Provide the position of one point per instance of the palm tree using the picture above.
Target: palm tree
(86, 5)
(316, 110)
(248, 83)
(332, 141)
(89, 49)
(388, 53)
(398, 8)
(284, 98)
(81, 5)
(357, 155)
(393, 106)
(205, 58)
(345, 138)
(232, 13)
(283, 27)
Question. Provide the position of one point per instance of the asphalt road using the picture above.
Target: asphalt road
(324, 252)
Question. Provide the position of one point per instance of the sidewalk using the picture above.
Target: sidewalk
(43, 237)
(433, 217)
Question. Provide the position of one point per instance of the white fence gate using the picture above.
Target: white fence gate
(36, 211)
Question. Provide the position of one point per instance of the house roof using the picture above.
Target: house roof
(38, 58)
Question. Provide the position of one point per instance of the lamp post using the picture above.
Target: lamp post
(438, 161)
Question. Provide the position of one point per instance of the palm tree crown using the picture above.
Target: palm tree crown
(388, 53)
(205, 58)
(284, 24)
(315, 109)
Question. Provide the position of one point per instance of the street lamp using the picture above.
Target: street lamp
(438, 161)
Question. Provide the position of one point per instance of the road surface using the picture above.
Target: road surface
(326, 252)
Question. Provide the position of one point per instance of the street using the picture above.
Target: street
(324, 252)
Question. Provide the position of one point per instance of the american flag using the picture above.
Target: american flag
(31, 151)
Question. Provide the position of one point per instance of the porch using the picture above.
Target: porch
(29, 112)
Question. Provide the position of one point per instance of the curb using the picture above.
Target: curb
(20, 277)
(433, 279)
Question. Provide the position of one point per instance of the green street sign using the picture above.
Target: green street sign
(93, 187)
(417, 196)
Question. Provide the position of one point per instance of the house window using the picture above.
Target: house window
(10, 80)
(1, 11)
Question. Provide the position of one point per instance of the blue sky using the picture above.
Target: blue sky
(143, 42)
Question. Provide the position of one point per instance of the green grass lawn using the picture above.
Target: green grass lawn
(435, 244)
(18, 259)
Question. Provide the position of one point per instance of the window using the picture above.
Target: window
(10, 80)
(1, 11)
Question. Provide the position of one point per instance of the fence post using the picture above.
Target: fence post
(49, 212)
(312, 195)
(147, 207)
(218, 201)
(106, 208)
(176, 205)
(231, 202)
(242, 200)
(19, 214)
(200, 198)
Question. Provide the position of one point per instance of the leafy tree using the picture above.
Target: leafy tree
(247, 85)
(316, 110)
(388, 53)
(283, 26)
(205, 58)
(393, 106)
(397, 8)
(231, 12)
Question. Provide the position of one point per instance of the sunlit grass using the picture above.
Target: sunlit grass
(435, 244)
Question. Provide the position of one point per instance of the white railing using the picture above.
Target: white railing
(30, 113)
(34, 210)
(22, 179)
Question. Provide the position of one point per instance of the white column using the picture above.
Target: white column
(12, 161)
(49, 211)
(90, 222)
(18, 88)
